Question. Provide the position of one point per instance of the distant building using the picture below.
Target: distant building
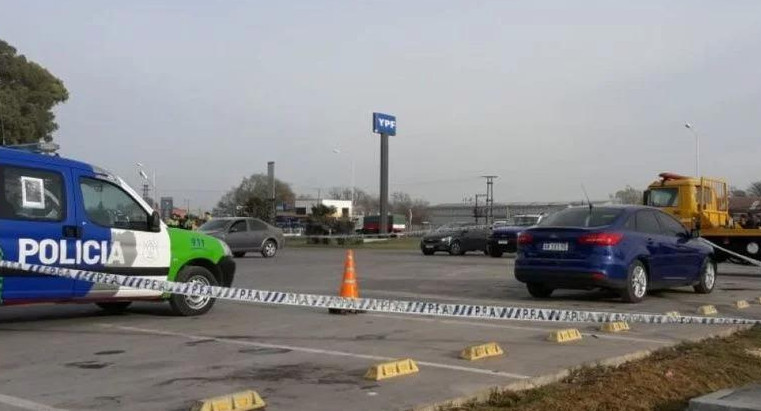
(343, 207)
(441, 214)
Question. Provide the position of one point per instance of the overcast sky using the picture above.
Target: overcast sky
(546, 94)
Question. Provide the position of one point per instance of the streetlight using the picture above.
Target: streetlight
(152, 181)
(697, 149)
(339, 152)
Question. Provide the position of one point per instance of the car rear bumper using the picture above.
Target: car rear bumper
(568, 279)
(572, 274)
(505, 245)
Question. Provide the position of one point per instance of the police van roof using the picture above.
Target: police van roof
(27, 156)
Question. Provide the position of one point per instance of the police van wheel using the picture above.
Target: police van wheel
(114, 307)
(185, 305)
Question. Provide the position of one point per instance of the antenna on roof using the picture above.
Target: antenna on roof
(587, 197)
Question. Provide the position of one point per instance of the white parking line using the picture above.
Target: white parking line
(519, 327)
(316, 351)
(26, 404)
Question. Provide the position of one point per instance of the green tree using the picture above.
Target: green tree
(28, 93)
(321, 212)
(239, 199)
(403, 204)
(257, 207)
(754, 190)
(628, 195)
(736, 192)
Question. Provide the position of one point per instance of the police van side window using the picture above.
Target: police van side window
(31, 194)
(109, 206)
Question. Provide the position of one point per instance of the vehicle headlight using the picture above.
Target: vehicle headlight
(226, 248)
(446, 239)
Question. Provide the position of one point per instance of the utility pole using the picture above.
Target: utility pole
(476, 210)
(697, 148)
(271, 181)
(2, 127)
(146, 192)
(490, 198)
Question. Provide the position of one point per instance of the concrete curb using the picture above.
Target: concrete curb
(484, 394)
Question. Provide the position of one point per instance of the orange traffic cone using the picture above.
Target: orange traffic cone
(349, 286)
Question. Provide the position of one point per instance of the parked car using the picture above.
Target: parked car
(504, 237)
(456, 239)
(245, 235)
(370, 224)
(629, 249)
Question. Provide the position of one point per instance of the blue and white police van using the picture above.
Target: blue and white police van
(65, 213)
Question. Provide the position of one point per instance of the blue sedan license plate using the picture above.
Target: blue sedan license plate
(555, 247)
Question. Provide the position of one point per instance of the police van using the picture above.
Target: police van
(64, 213)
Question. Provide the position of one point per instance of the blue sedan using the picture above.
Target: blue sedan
(629, 249)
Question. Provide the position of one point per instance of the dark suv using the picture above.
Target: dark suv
(504, 238)
(456, 239)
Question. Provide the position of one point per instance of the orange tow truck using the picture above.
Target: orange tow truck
(702, 204)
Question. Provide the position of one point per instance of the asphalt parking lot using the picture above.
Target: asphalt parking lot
(72, 357)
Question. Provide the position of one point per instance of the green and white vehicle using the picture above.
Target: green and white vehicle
(63, 213)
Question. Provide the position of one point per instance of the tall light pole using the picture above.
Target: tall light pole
(697, 148)
(141, 172)
(339, 152)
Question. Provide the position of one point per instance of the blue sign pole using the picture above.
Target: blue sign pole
(385, 125)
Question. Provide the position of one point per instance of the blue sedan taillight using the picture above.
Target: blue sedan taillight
(601, 239)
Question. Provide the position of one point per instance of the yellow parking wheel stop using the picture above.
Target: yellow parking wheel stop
(562, 336)
(741, 304)
(391, 369)
(707, 310)
(239, 401)
(476, 352)
(615, 327)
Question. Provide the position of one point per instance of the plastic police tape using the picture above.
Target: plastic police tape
(484, 312)
(732, 253)
(402, 234)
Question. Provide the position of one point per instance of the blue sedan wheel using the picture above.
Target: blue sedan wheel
(636, 283)
(707, 279)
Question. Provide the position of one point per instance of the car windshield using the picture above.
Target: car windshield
(213, 225)
(525, 220)
(662, 197)
(582, 217)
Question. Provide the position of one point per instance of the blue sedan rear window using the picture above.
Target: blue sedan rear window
(582, 217)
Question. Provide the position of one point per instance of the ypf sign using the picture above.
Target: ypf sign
(384, 124)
